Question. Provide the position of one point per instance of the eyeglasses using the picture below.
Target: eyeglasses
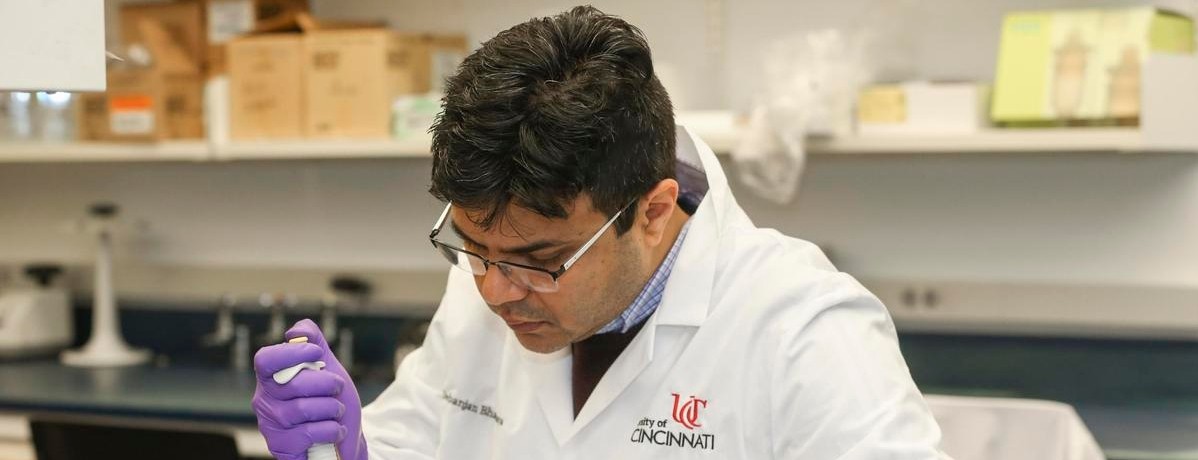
(527, 276)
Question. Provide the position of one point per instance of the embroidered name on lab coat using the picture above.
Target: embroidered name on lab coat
(467, 406)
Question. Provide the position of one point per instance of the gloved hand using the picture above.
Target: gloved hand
(316, 407)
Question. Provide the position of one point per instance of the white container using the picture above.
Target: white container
(413, 115)
(216, 110)
(34, 321)
(923, 108)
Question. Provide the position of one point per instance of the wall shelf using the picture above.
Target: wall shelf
(1065, 140)
(1169, 99)
(415, 147)
(41, 152)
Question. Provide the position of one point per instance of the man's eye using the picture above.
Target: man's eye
(544, 261)
(472, 247)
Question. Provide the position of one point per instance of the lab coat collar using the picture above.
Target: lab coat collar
(687, 293)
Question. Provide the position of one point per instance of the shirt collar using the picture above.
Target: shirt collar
(647, 301)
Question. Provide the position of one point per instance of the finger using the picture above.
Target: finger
(293, 443)
(285, 443)
(306, 328)
(306, 384)
(303, 410)
(326, 432)
(275, 358)
(285, 456)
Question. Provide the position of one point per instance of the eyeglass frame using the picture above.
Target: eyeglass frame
(487, 263)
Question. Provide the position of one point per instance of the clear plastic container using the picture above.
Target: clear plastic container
(16, 116)
(54, 116)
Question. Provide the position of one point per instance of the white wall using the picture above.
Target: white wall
(1069, 217)
(710, 49)
(367, 213)
(1084, 218)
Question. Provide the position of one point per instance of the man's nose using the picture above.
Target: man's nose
(497, 289)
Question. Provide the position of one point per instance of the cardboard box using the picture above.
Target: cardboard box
(143, 105)
(347, 76)
(91, 120)
(354, 75)
(922, 108)
(148, 103)
(266, 87)
(1080, 65)
(229, 19)
(182, 20)
(434, 58)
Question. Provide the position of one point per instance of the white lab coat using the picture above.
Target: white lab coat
(760, 349)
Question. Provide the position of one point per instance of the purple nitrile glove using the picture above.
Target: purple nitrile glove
(315, 407)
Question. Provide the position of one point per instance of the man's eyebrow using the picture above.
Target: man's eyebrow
(462, 235)
(525, 249)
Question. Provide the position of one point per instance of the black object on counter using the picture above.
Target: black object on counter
(103, 209)
(43, 274)
(350, 285)
(80, 441)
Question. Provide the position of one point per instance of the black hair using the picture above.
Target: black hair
(549, 109)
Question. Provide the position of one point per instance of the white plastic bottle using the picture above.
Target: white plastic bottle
(322, 452)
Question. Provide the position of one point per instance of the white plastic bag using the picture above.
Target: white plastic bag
(810, 82)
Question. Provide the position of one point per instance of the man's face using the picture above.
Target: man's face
(590, 294)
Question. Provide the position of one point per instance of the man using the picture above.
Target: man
(610, 298)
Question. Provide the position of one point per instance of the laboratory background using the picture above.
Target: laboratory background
(180, 181)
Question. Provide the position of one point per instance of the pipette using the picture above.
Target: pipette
(319, 451)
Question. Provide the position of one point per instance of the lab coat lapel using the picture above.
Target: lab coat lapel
(684, 303)
(687, 293)
(622, 372)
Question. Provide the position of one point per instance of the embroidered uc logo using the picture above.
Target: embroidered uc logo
(687, 414)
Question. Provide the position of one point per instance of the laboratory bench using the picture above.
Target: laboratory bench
(194, 394)
(188, 398)
(219, 399)
(1138, 397)
(188, 386)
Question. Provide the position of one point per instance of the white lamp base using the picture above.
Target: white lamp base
(112, 355)
(106, 347)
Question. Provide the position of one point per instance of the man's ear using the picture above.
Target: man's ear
(655, 210)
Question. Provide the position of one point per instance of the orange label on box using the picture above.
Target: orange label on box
(127, 103)
(131, 115)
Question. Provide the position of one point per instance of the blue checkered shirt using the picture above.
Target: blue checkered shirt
(650, 297)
